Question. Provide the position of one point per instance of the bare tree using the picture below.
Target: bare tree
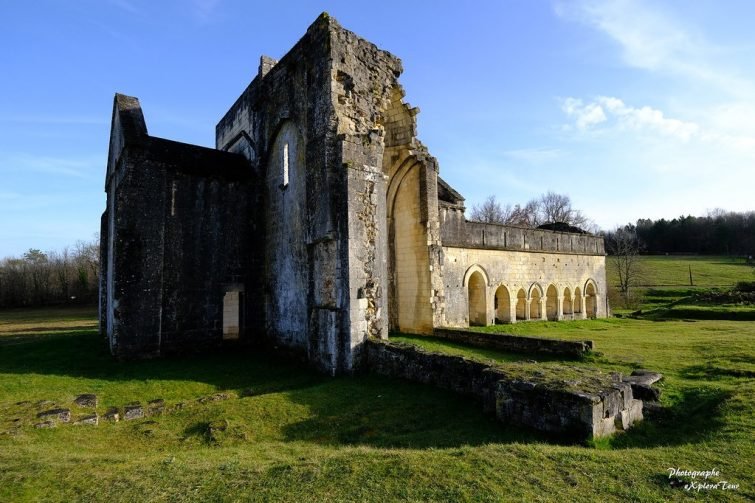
(557, 208)
(624, 248)
(491, 212)
(525, 215)
(549, 208)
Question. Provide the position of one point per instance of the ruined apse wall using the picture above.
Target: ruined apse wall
(394, 242)
(172, 243)
(285, 124)
(525, 259)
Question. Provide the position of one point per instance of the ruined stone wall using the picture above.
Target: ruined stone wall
(516, 343)
(394, 239)
(134, 274)
(590, 406)
(458, 232)
(208, 252)
(169, 241)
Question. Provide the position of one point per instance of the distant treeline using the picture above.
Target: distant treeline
(38, 279)
(718, 233)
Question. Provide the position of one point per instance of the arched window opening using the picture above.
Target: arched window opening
(521, 305)
(591, 301)
(551, 303)
(568, 305)
(536, 311)
(285, 165)
(477, 303)
(502, 305)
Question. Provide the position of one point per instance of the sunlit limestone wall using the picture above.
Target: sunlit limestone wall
(519, 279)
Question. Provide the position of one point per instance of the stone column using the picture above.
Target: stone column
(560, 308)
(489, 306)
(582, 315)
(543, 313)
(527, 303)
(512, 310)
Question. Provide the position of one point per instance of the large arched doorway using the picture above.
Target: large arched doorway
(567, 308)
(408, 211)
(410, 309)
(591, 300)
(502, 305)
(551, 303)
(521, 305)
(536, 308)
(477, 304)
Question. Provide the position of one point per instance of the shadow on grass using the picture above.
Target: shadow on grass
(358, 410)
(84, 354)
(709, 371)
(684, 314)
(695, 417)
(53, 330)
(380, 412)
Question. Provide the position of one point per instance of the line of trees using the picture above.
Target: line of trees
(37, 278)
(548, 208)
(717, 233)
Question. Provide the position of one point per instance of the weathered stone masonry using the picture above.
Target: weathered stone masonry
(318, 221)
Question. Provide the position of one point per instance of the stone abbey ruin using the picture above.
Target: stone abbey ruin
(317, 224)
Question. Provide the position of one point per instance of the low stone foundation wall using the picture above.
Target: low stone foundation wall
(581, 403)
(515, 343)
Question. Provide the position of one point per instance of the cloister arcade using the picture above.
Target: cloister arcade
(510, 303)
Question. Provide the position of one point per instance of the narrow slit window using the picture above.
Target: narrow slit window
(173, 190)
(285, 164)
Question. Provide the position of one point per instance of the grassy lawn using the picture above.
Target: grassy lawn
(301, 436)
(663, 283)
(673, 271)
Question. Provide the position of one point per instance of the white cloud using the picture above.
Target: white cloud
(612, 112)
(585, 115)
(651, 39)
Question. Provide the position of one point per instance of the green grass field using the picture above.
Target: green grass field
(673, 271)
(662, 289)
(306, 437)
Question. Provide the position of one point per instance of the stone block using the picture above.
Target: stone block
(112, 415)
(635, 412)
(133, 411)
(63, 415)
(156, 407)
(88, 400)
(91, 420)
(645, 376)
(646, 392)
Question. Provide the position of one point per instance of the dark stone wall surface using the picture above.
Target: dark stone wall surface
(287, 114)
(176, 233)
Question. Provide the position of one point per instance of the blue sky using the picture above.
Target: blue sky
(635, 109)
